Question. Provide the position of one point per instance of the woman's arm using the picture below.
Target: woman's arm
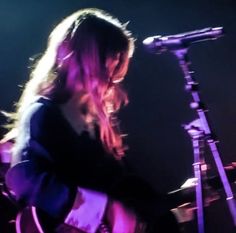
(35, 180)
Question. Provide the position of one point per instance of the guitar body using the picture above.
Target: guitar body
(30, 220)
(26, 223)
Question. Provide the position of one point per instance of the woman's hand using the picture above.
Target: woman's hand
(120, 219)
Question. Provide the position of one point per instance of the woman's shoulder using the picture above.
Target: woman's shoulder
(43, 102)
(41, 108)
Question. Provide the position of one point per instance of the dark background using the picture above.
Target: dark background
(160, 148)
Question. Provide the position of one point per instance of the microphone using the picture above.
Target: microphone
(159, 44)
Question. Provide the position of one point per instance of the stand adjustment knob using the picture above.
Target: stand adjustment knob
(192, 86)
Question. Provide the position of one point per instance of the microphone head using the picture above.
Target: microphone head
(159, 44)
(148, 41)
(154, 44)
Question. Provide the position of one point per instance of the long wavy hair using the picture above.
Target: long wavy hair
(75, 62)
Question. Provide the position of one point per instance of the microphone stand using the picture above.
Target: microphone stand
(192, 87)
(197, 135)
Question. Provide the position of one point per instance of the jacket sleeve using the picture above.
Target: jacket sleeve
(34, 178)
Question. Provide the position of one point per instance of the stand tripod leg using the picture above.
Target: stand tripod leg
(197, 135)
(228, 191)
(199, 186)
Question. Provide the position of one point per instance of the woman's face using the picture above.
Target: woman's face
(111, 64)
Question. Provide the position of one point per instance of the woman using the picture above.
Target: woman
(68, 147)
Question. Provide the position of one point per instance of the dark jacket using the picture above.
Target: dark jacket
(53, 161)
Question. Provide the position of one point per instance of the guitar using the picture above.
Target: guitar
(30, 220)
